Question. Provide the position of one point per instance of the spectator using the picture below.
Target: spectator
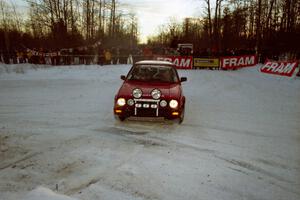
(107, 56)
(100, 56)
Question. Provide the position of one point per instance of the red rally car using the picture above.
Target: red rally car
(151, 89)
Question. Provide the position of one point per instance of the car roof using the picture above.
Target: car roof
(153, 62)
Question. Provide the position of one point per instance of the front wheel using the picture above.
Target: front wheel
(121, 118)
(181, 118)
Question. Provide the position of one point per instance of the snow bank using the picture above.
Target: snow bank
(42, 193)
(23, 68)
(19, 68)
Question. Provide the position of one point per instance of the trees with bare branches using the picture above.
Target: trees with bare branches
(268, 26)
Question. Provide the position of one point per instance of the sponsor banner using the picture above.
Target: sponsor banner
(181, 62)
(235, 62)
(206, 63)
(279, 68)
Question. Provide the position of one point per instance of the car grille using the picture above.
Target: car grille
(146, 112)
(146, 108)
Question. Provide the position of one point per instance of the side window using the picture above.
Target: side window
(132, 73)
(174, 75)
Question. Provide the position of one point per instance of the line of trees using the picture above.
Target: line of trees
(57, 24)
(267, 26)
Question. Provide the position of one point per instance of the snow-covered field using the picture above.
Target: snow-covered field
(59, 139)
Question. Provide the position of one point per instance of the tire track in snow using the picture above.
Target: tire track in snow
(137, 136)
(140, 137)
(100, 176)
(42, 151)
(253, 168)
(27, 157)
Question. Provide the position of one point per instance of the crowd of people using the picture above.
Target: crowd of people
(106, 56)
(66, 56)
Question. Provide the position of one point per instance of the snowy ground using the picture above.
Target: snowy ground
(59, 140)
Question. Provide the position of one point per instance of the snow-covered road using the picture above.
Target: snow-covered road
(240, 138)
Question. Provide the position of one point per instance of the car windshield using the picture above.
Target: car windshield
(158, 73)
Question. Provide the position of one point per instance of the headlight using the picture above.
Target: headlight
(163, 103)
(130, 102)
(173, 103)
(137, 93)
(121, 102)
(155, 94)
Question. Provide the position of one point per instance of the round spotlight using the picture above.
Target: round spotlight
(163, 103)
(121, 102)
(137, 93)
(173, 103)
(130, 102)
(156, 93)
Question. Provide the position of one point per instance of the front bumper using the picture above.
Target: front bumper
(147, 108)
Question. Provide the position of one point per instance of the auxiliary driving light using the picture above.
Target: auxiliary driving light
(138, 105)
(156, 93)
(173, 103)
(130, 102)
(137, 93)
(154, 106)
(163, 103)
(121, 102)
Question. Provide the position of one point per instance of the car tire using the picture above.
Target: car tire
(181, 118)
(121, 118)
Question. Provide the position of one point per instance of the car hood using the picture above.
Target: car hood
(168, 90)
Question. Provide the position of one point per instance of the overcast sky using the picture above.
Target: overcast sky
(153, 13)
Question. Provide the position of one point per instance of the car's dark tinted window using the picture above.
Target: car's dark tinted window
(157, 73)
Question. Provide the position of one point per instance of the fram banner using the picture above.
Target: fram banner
(279, 68)
(234, 62)
(181, 62)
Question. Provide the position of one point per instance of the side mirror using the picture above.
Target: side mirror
(182, 79)
(123, 77)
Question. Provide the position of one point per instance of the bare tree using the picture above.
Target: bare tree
(209, 21)
(112, 22)
(216, 30)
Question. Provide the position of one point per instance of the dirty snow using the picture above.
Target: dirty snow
(59, 140)
(45, 194)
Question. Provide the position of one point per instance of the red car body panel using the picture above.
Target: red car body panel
(167, 90)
